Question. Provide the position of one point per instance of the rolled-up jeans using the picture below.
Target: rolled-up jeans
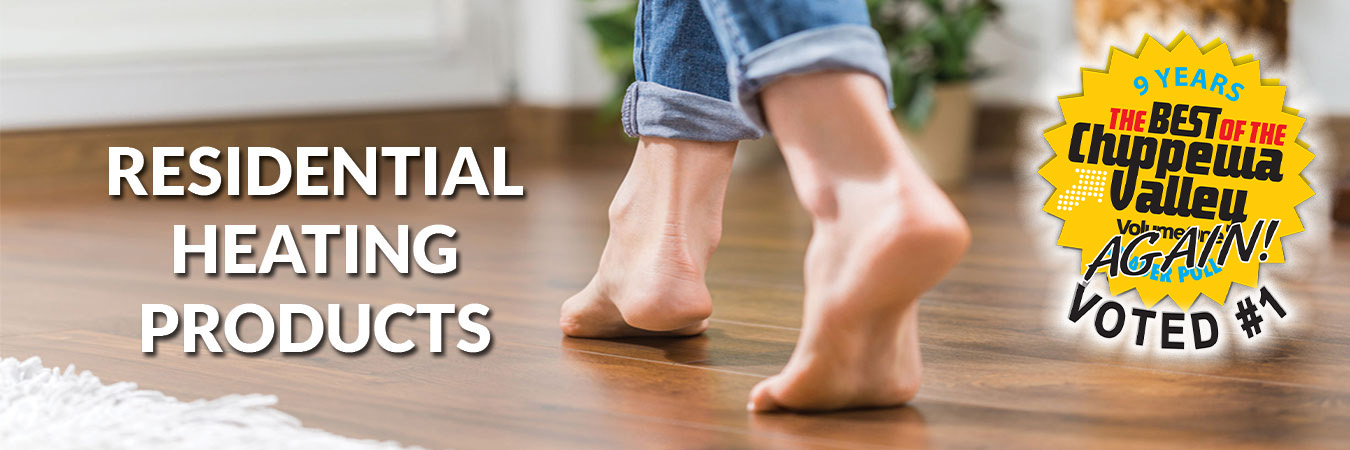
(701, 65)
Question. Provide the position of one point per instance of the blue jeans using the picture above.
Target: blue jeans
(702, 64)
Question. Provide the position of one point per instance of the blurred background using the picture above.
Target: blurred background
(973, 78)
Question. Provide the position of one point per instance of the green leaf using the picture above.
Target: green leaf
(920, 107)
(613, 29)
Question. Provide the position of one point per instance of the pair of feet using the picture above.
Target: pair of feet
(882, 235)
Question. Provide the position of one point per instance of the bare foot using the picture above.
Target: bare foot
(859, 345)
(665, 222)
(883, 234)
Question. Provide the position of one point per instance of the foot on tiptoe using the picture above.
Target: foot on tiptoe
(883, 234)
(665, 222)
(859, 345)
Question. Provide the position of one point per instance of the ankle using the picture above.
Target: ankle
(685, 244)
(675, 189)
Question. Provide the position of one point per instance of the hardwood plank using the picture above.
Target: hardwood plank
(999, 370)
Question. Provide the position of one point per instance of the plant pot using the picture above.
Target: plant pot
(943, 145)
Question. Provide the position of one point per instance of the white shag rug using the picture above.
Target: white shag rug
(48, 408)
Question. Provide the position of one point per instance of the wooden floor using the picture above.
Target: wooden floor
(1000, 368)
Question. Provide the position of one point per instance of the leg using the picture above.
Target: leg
(817, 75)
(883, 234)
(666, 218)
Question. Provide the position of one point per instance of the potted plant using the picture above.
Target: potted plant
(929, 44)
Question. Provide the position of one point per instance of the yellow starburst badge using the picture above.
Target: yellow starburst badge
(1176, 171)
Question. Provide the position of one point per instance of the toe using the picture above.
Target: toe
(762, 397)
(586, 314)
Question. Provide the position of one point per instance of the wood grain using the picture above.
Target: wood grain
(1001, 369)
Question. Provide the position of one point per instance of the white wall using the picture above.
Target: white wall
(1036, 36)
(1318, 33)
(556, 63)
(1031, 38)
(98, 62)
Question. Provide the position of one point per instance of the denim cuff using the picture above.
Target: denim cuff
(650, 109)
(847, 47)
